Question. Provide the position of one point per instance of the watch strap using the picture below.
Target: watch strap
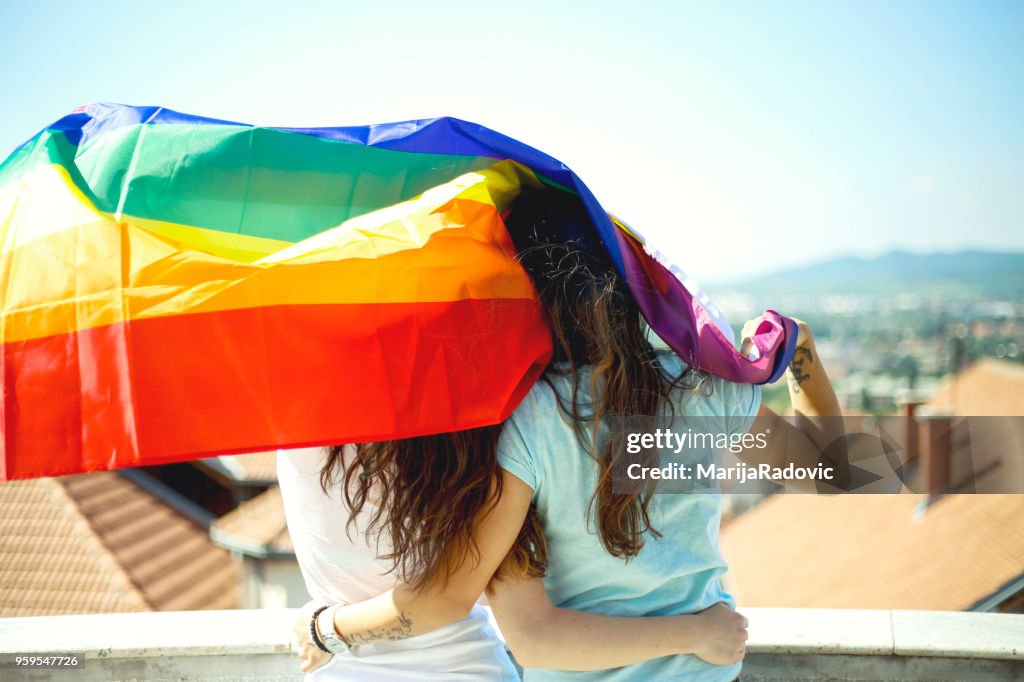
(334, 641)
(314, 633)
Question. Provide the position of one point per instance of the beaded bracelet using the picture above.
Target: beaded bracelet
(314, 634)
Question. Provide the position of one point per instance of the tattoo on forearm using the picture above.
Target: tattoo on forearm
(401, 631)
(799, 368)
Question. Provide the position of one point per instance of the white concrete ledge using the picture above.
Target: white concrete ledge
(819, 631)
(966, 635)
(954, 634)
(153, 634)
(785, 644)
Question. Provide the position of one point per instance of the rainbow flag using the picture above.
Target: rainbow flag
(176, 287)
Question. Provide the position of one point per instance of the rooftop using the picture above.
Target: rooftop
(987, 388)
(875, 551)
(256, 527)
(102, 542)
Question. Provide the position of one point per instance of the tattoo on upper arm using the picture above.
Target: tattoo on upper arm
(394, 633)
(799, 367)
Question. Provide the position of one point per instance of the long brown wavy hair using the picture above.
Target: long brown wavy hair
(596, 323)
(424, 494)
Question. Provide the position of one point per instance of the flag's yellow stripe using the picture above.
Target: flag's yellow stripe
(242, 248)
(66, 266)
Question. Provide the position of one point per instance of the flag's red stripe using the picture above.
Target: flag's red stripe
(225, 381)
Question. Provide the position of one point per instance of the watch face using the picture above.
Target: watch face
(335, 644)
(332, 642)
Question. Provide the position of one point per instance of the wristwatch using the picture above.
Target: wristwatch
(334, 642)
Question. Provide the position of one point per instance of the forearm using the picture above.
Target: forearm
(814, 432)
(813, 399)
(397, 614)
(810, 390)
(818, 414)
(404, 612)
(575, 640)
(541, 635)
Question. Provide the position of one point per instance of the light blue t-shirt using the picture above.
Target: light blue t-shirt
(676, 574)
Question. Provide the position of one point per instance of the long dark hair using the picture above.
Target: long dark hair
(596, 322)
(431, 490)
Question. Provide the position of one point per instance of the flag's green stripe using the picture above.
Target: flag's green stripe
(43, 148)
(256, 181)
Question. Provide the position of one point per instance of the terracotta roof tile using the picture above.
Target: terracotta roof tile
(99, 543)
(256, 467)
(988, 387)
(51, 561)
(874, 551)
(257, 525)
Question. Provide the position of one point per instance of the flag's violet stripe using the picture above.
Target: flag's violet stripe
(786, 356)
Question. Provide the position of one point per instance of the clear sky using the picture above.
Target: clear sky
(737, 137)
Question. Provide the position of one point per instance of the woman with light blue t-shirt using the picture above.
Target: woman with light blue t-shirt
(649, 557)
(586, 581)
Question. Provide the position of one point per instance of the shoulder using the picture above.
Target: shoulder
(527, 433)
(735, 397)
(540, 398)
(706, 393)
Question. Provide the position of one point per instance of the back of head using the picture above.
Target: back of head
(589, 306)
(595, 322)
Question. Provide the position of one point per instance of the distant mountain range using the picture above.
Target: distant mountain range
(963, 274)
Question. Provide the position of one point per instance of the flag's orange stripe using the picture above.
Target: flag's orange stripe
(66, 283)
(184, 386)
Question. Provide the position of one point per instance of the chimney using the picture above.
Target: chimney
(934, 432)
(908, 402)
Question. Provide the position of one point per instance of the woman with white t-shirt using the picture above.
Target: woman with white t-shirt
(339, 563)
(630, 581)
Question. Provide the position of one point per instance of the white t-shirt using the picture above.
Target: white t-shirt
(337, 567)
